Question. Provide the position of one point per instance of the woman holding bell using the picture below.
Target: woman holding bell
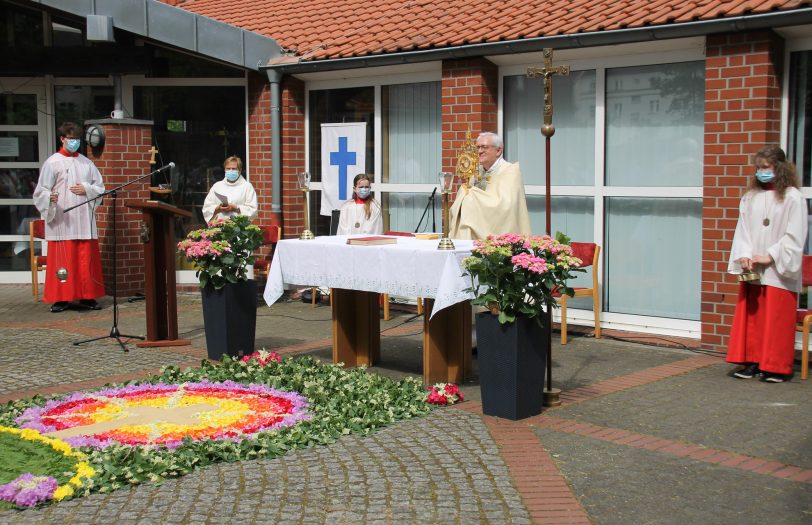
(362, 213)
(767, 255)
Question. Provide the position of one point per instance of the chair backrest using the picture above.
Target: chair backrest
(334, 217)
(587, 252)
(806, 270)
(37, 229)
(271, 234)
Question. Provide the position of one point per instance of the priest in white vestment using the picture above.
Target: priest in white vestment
(68, 178)
(231, 196)
(362, 213)
(495, 203)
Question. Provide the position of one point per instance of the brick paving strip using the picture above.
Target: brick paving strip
(545, 490)
(673, 448)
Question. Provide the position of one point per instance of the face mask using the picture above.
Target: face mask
(765, 175)
(232, 175)
(363, 192)
(72, 145)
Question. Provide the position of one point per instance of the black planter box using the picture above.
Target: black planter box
(230, 319)
(512, 359)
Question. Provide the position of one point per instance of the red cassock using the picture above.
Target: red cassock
(82, 259)
(763, 329)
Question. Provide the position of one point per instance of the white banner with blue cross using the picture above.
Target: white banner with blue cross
(343, 156)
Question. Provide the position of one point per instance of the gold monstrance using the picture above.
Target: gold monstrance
(468, 160)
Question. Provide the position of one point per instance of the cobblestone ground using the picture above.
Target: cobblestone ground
(35, 358)
(645, 435)
(444, 468)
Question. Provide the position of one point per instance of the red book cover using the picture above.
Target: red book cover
(369, 241)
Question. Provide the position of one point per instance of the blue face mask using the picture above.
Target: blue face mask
(765, 175)
(363, 192)
(232, 175)
(72, 145)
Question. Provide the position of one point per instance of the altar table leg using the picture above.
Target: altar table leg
(446, 343)
(356, 327)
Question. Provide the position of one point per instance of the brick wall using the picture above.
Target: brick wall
(293, 156)
(125, 157)
(469, 100)
(259, 144)
(742, 114)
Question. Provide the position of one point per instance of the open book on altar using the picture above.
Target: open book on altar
(370, 241)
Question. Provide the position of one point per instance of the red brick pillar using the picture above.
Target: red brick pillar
(742, 114)
(259, 133)
(469, 101)
(124, 157)
(293, 155)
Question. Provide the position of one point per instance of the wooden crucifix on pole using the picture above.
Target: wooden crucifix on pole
(548, 130)
(551, 395)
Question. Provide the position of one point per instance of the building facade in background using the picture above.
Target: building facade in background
(654, 126)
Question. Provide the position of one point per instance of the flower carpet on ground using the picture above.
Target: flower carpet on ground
(181, 420)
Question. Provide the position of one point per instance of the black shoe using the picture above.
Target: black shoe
(90, 304)
(769, 377)
(748, 372)
(60, 306)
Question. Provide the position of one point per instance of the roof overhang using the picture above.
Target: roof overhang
(178, 28)
(291, 65)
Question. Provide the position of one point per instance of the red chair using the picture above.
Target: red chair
(270, 236)
(36, 232)
(589, 253)
(803, 318)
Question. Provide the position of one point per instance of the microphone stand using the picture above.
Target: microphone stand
(430, 203)
(114, 333)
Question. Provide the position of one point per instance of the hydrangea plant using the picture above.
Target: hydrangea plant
(222, 252)
(515, 275)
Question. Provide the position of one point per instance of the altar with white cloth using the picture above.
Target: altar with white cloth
(357, 274)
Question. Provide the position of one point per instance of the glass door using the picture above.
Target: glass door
(23, 147)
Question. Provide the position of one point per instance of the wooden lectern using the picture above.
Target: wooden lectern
(159, 271)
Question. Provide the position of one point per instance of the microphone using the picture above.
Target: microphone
(433, 193)
(170, 165)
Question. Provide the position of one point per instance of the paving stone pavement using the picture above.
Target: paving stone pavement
(444, 468)
(645, 435)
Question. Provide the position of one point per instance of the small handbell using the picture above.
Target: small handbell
(62, 274)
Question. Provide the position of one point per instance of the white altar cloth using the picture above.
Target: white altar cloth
(410, 268)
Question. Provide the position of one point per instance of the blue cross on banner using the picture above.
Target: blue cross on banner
(343, 156)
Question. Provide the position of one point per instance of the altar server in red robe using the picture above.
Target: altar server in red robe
(769, 241)
(68, 178)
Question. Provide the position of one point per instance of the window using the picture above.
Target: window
(573, 145)
(412, 151)
(650, 235)
(800, 114)
(661, 150)
(214, 128)
(336, 105)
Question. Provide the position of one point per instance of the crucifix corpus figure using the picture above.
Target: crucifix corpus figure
(547, 72)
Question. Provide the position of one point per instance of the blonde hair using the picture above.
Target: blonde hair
(236, 159)
(366, 177)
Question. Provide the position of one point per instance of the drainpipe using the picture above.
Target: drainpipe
(117, 106)
(274, 79)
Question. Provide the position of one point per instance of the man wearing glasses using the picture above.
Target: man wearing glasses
(495, 203)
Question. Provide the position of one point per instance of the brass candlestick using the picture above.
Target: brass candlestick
(445, 191)
(304, 185)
